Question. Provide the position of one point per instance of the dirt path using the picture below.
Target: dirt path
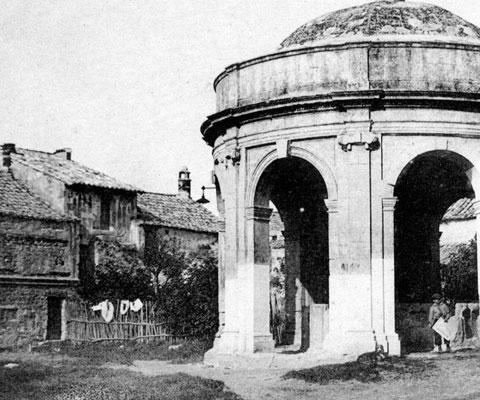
(455, 378)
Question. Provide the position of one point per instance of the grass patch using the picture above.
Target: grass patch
(392, 368)
(128, 351)
(81, 381)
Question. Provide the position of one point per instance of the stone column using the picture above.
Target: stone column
(391, 337)
(221, 278)
(256, 281)
(319, 313)
(476, 208)
(293, 307)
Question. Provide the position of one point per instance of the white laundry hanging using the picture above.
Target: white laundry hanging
(124, 306)
(106, 308)
(136, 305)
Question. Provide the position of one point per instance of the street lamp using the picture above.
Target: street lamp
(203, 200)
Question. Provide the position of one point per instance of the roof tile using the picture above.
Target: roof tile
(176, 212)
(67, 171)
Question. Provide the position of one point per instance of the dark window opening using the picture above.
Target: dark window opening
(54, 318)
(105, 212)
(8, 314)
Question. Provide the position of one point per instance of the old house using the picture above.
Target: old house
(55, 217)
(176, 216)
(38, 264)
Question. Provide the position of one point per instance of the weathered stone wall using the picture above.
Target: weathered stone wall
(23, 313)
(350, 67)
(86, 205)
(33, 247)
(189, 241)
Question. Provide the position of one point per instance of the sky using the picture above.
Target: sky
(127, 84)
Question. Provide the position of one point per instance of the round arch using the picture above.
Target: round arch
(270, 157)
(405, 159)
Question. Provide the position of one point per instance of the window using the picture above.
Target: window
(8, 314)
(105, 212)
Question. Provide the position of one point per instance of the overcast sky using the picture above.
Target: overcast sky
(127, 84)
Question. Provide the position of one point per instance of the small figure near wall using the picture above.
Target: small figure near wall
(438, 310)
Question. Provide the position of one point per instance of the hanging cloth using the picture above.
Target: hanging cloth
(107, 311)
(136, 305)
(124, 306)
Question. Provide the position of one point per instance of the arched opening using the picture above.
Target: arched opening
(296, 191)
(430, 188)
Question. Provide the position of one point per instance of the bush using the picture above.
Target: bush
(188, 297)
(459, 275)
(119, 274)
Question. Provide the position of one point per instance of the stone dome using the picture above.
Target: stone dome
(381, 20)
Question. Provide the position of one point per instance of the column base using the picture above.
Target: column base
(349, 343)
(393, 347)
(263, 343)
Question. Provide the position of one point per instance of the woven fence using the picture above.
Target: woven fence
(84, 324)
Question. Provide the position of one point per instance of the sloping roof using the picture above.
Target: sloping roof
(460, 210)
(16, 200)
(173, 211)
(67, 171)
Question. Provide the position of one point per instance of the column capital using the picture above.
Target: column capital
(476, 207)
(332, 206)
(258, 213)
(221, 224)
(388, 204)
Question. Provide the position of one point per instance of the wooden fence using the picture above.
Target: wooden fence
(84, 324)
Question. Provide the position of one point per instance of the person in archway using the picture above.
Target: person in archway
(438, 310)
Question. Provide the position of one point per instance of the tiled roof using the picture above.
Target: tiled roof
(67, 171)
(16, 200)
(460, 210)
(176, 212)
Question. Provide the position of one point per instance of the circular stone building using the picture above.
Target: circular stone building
(361, 130)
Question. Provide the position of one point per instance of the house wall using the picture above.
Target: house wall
(49, 189)
(38, 259)
(86, 205)
(189, 241)
(24, 313)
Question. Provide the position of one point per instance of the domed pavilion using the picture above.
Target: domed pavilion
(361, 130)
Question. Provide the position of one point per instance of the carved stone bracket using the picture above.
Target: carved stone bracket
(368, 139)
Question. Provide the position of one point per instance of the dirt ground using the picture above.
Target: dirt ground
(452, 377)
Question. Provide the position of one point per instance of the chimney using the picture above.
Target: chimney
(184, 183)
(65, 153)
(7, 149)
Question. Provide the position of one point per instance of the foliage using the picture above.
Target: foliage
(119, 274)
(188, 296)
(459, 275)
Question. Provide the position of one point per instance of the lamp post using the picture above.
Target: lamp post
(203, 200)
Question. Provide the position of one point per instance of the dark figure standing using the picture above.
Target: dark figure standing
(438, 310)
